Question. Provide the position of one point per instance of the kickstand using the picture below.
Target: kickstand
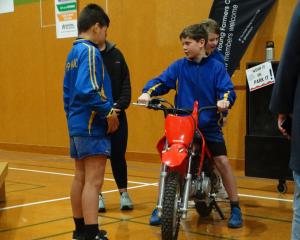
(218, 209)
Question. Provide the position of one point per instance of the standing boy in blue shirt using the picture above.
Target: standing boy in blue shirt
(203, 79)
(90, 116)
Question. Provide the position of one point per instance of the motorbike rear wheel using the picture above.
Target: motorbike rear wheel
(203, 209)
(170, 219)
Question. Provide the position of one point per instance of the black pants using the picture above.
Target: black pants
(118, 150)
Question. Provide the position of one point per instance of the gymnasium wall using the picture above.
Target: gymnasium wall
(32, 68)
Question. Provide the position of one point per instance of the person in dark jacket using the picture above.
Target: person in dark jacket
(116, 66)
(285, 102)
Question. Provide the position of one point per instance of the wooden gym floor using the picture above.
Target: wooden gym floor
(38, 204)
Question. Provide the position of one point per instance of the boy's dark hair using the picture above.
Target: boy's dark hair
(211, 26)
(90, 15)
(195, 31)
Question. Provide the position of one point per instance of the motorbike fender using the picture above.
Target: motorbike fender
(174, 155)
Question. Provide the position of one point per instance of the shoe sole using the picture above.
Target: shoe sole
(155, 224)
(101, 210)
(126, 208)
(236, 226)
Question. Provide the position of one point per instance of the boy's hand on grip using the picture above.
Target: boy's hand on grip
(144, 98)
(223, 105)
(113, 121)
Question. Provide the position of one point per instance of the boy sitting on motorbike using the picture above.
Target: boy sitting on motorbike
(204, 79)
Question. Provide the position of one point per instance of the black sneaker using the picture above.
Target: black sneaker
(102, 235)
(77, 236)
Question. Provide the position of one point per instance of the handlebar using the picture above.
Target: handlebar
(160, 104)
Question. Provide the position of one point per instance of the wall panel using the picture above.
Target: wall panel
(32, 65)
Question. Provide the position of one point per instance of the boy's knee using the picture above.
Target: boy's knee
(222, 162)
(79, 176)
(94, 182)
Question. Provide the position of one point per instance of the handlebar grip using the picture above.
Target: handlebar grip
(139, 104)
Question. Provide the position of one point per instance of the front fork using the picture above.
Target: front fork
(162, 180)
(187, 187)
(186, 192)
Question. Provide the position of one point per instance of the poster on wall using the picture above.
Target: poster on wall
(6, 6)
(239, 20)
(66, 18)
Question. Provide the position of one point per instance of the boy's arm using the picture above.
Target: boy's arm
(225, 93)
(125, 94)
(90, 81)
(163, 83)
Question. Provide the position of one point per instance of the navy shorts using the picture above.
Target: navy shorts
(217, 148)
(81, 147)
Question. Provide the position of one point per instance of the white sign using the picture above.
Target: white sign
(260, 76)
(66, 18)
(6, 6)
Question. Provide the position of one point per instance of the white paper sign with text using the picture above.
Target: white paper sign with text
(260, 76)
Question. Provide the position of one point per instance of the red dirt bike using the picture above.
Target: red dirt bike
(187, 167)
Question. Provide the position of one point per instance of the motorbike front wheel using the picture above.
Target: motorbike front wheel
(170, 218)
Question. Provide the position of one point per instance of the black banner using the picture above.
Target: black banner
(239, 20)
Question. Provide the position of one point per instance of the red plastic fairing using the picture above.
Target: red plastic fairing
(179, 129)
(174, 155)
(160, 145)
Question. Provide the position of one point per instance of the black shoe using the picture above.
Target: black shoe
(102, 235)
(77, 236)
